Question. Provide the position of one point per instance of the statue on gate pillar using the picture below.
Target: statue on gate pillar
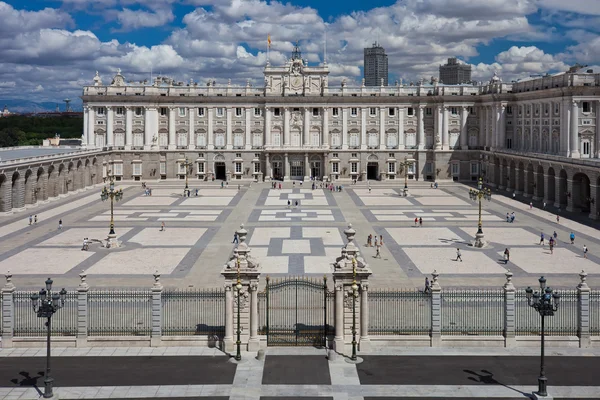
(350, 252)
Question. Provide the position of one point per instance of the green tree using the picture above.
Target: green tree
(9, 137)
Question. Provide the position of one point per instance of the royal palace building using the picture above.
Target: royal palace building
(539, 137)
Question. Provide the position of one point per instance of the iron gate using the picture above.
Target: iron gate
(296, 312)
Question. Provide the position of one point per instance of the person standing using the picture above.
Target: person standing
(289, 203)
(235, 238)
(427, 286)
(572, 237)
(30, 219)
(84, 246)
(381, 240)
(506, 256)
(530, 205)
(551, 244)
(541, 239)
(507, 217)
(420, 221)
(585, 251)
(458, 256)
(163, 227)
(60, 224)
(557, 219)
(376, 241)
(35, 219)
(377, 248)
(416, 221)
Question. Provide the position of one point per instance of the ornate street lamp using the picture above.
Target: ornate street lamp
(479, 194)
(187, 165)
(238, 287)
(406, 163)
(45, 304)
(354, 296)
(545, 302)
(112, 194)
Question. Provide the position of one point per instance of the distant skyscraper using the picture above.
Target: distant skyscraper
(455, 73)
(375, 66)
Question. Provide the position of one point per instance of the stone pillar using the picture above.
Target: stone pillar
(537, 196)
(129, 127)
(436, 311)
(583, 316)
(244, 271)
(546, 193)
(481, 137)
(401, 139)
(8, 312)
(228, 139)
(191, 131)
(91, 141)
(464, 139)
(286, 126)
(267, 127)
(82, 310)
(344, 128)
(350, 269)
(43, 185)
(594, 205)
(18, 193)
(445, 142)
(86, 127)
(574, 131)
(363, 128)
(557, 191)
(509, 312)
(501, 174)
(516, 183)
(382, 144)
(325, 138)
(249, 140)
(306, 141)
(109, 127)
(156, 334)
(526, 183)
(148, 129)
(268, 168)
(209, 130)
(306, 168)
(570, 195)
(502, 123)
(286, 166)
(421, 128)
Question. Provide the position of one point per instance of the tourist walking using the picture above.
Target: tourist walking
(381, 240)
(376, 241)
(420, 221)
(530, 205)
(416, 221)
(427, 286)
(506, 256)
(557, 219)
(541, 239)
(289, 203)
(296, 204)
(235, 238)
(507, 217)
(377, 248)
(551, 245)
(572, 237)
(60, 224)
(458, 256)
(163, 227)
(369, 240)
(84, 247)
(30, 219)
(585, 251)
(35, 219)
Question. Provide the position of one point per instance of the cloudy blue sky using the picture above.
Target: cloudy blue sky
(50, 48)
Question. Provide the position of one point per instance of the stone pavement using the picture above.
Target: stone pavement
(299, 373)
(300, 239)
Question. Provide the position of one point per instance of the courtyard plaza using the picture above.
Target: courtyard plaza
(293, 231)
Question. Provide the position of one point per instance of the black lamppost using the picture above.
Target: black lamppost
(112, 194)
(354, 296)
(187, 165)
(45, 304)
(405, 164)
(238, 286)
(479, 194)
(545, 302)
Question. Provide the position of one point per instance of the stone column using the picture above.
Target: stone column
(249, 140)
(557, 191)
(365, 341)
(209, 129)
(156, 334)
(382, 143)
(401, 139)
(325, 143)
(502, 172)
(502, 126)
(228, 139)
(526, 183)
(306, 168)
(570, 201)
(91, 140)
(306, 141)
(8, 312)
(546, 188)
(537, 196)
(583, 308)
(464, 138)
(344, 128)
(286, 126)
(86, 127)
(594, 205)
(253, 342)
(509, 311)
(445, 142)
(228, 338)
(268, 170)
(338, 341)
(436, 311)
(421, 128)
(129, 127)
(192, 130)
(267, 127)
(18, 193)
(574, 132)
(481, 137)
(286, 166)
(82, 310)
(43, 184)
(109, 127)
(565, 114)
(363, 128)
(516, 182)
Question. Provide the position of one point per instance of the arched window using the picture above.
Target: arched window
(220, 139)
(238, 139)
(373, 139)
(392, 140)
(315, 137)
(201, 139)
(335, 139)
(354, 140)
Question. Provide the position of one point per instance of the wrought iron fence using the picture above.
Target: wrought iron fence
(399, 312)
(595, 312)
(120, 313)
(27, 323)
(194, 312)
(262, 313)
(563, 323)
(472, 312)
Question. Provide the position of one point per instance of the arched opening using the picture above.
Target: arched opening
(496, 175)
(551, 176)
(52, 182)
(5, 194)
(504, 177)
(60, 183)
(29, 186)
(562, 187)
(539, 183)
(78, 178)
(521, 178)
(17, 188)
(581, 193)
(40, 186)
(70, 175)
(512, 182)
(530, 181)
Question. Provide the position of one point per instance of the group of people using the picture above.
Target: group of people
(33, 219)
(510, 217)
(373, 241)
(86, 244)
(418, 221)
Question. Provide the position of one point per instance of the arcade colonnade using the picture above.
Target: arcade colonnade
(23, 186)
(575, 188)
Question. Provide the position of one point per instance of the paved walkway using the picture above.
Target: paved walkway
(298, 373)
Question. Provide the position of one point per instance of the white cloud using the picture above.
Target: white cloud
(16, 21)
(135, 19)
(10, 84)
(586, 7)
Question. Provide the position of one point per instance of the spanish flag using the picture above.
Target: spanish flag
(269, 40)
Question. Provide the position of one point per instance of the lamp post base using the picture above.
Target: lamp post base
(479, 241)
(349, 360)
(405, 192)
(112, 242)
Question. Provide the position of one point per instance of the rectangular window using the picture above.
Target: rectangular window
(137, 169)
(164, 111)
(315, 112)
(201, 112)
(200, 167)
(120, 111)
(454, 110)
(276, 112)
(138, 111)
(163, 168)
(354, 155)
(354, 167)
(391, 111)
(182, 111)
(238, 167)
(428, 168)
(335, 155)
(392, 168)
(428, 111)
(455, 168)
(472, 110)
(256, 168)
(257, 112)
(219, 111)
(118, 169)
(101, 111)
(335, 111)
(585, 106)
(509, 110)
(410, 111)
(335, 167)
(474, 169)
(353, 111)
(372, 111)
(238, 111)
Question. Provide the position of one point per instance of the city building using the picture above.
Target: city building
(539, 136)
(455, 73)
(375, 66)
(5, 112)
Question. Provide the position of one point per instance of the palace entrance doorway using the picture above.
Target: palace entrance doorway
(220, 171)
(372, 171)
